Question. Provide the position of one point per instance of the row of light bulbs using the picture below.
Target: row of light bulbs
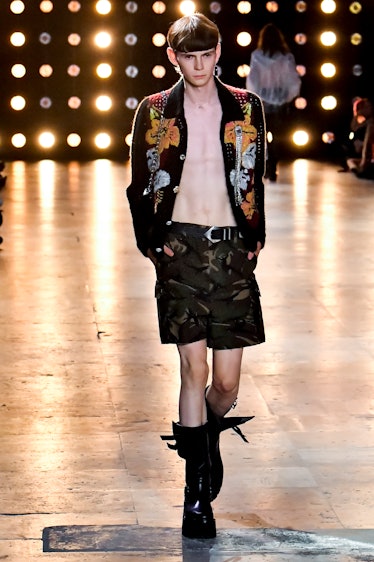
(104, 7)
(103, 140)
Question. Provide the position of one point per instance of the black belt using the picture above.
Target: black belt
(211, 233)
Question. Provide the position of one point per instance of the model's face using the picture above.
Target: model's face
(197, 67)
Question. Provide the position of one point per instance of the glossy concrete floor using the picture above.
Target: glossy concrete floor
(86, 388)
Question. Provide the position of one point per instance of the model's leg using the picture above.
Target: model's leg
(194, 375)
(191, 435)
(220, 397)
(225, 379)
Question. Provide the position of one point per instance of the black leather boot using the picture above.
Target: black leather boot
(216, 424)
(192, 445)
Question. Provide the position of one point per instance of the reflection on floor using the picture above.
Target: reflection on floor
(86, 388)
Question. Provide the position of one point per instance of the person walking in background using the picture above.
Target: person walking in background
(362, 126)
(197, 203)
(273, 76)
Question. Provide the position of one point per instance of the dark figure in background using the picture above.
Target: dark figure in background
(273, 76)
(197, 203)
(362, 126)
(2, 184)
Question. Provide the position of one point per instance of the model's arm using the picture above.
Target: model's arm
(141, 205)
(259, 122)
(367, 149)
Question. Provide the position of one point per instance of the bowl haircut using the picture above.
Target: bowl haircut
(193, 33)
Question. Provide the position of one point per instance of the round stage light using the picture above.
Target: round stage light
(300, 138)
(103, 39)
(17, 39)
(103, 103)
(158, 71)
(18, 103)
(244, 39)
(102, 140)
(18, 140)
(103, 7)
(187, 7)
(17, 7)
(329, 102)
(328, 6)
(328, 38)
(215, 7)
(328, 69)
(74, 6)
(18, 70)
(46, 139)
(244, 7)
(46, 6)
(74, 102)
(159, 7)
(243, 70)
(104, 70)
(159, 39)
(73, 140)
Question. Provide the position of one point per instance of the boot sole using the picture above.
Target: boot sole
(196, 528)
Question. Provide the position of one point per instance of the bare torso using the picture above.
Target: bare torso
(202, 197)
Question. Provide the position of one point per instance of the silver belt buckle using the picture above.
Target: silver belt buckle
(208, 235)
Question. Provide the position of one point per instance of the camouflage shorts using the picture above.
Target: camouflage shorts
(208, 291)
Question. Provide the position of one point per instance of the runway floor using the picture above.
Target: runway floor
(86, 388)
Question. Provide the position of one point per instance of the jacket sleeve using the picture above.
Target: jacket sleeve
(260, 169)
(141, 205)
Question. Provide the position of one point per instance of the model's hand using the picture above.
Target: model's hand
(168, 251)
(151, 256)
(256, 252)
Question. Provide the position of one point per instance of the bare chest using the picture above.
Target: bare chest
(203, 129)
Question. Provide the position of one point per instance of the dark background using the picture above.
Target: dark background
(87, 121)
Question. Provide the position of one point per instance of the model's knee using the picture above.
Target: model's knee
(226, 388)
(194, 368)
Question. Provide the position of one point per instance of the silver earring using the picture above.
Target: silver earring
(178, 69)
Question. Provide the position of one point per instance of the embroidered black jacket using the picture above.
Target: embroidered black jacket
(159, 145)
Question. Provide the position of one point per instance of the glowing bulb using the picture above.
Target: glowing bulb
(102, 140)
(244, 39)
(328, 6)
(18, 140)
(328, 70)
(103, 39)
(328, 103)
(18, 70)
(18, 103)
(328, 38)
(73, 140)
(17, 7)
(103, 7)
(187, 8)
(300, 138)
(17, 39)
(104, 70)
(103, 103)
(244, 7)
(47, 139)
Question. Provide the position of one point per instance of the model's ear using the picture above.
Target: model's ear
(172, 56)
(218, 52)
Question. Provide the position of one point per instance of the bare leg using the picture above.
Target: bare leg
(194, 376)
(225, 381)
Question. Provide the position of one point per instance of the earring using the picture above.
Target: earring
(178, 69)
(217, 71)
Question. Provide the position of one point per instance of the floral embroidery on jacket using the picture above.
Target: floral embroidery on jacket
(249, 131)
(163, 134)
(242, 178)
(249, 206)
(167, 136)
